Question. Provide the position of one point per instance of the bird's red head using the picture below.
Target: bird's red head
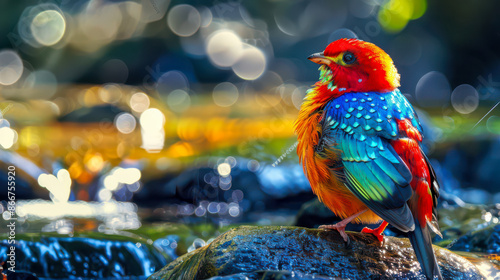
(352, 65)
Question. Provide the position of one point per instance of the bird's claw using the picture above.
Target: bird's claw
(374, 232)
(340, 229)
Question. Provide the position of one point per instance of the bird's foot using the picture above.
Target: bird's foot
(340, 227)
(377, 232)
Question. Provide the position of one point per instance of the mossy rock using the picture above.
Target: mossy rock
(247, 249)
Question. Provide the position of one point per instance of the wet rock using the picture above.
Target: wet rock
(310, 251)
(489, 265)
(485, 240)
(471, 228)
(493, 242)
(73, 257)
(273, 275)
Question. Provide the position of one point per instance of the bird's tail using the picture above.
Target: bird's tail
(421, 241)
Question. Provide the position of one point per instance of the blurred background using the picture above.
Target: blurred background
(164, 123)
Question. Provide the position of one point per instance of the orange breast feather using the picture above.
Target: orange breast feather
(329, 189)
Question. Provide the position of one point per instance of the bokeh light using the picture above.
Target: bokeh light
(234, 209)
(110, 93)
(43, 81)
(119, 177)
(48, 27)
(224, 169)
(298, 96)
(111, 182)
(184, 20)
(104, 195)
(97, 26)
(152, 119)
(4, 123)
(225, 94)
(465, 99)
(206, 16)
(433, 90)
(493, 125)
(59, 187)
(251, 63)
(178, 100)
(94, 162)
(139, 102)
(127, 175)
(153, 134)
(394, 15)
(125, 123)
(8, 137)
(224, 48)
(253, 165)
(11, 67)
(171, 81)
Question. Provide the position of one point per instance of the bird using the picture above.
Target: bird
(359, 143)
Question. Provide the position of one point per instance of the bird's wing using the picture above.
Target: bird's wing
(379, 178)
(373, 171)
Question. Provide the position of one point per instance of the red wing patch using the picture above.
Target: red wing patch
(409, 150)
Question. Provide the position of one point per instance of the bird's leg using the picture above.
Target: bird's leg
(377, 232)
(340, 226)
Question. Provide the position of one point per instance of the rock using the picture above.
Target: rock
(486, 240)
(249, 249)
(471, 228)
(493, 241)
(273, 275)
(74, 257)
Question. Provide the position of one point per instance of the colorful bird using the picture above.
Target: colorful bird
(359, 144)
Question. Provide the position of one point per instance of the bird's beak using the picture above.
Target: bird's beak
(318, 58)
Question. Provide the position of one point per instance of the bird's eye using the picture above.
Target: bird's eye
(349, 58)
